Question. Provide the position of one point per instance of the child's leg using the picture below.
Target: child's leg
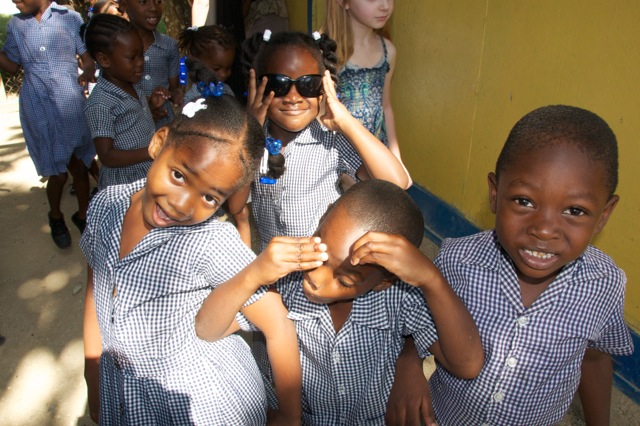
(80, 175)
(59, 230)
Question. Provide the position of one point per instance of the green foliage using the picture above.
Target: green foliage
(4, 19)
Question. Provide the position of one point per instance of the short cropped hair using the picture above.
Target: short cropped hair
(563, 124)
(382, 206)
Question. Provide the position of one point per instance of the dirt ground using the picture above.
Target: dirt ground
(42, 288)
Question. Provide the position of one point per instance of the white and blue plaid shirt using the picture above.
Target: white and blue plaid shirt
(293, 206)
(532, 355)
(113, 113)
(347, 376)
(161, 62)
(154, 369)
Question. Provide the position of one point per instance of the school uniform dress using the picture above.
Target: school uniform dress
(347, 377)
(154, 369)
(51, 99)
(532, 355)
(361, 91)
(161, 62)
(293, 206)
(113, 113)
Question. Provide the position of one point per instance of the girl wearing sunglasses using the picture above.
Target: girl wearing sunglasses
(290, 75)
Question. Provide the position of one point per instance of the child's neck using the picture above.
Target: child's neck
(148, 37)
(340, 312)
(362, 35)
(43, 7)
(134, 228)
(124, 85)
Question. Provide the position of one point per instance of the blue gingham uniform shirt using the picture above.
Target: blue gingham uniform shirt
(293, 206)
(113, 113)
(51, 100)
(154, 370)
(532, 355)
(347, 377)
(161, 62)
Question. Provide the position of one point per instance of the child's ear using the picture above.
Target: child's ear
(385, 283)
(606, 213)
(103, 60)
(493, 192)
(342, 4)
(157, 141)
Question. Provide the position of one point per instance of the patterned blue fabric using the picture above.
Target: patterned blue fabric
(51, 100)
(161, 62)
(532, 355)
(314, 161)
(361, 92)
(113, 113)
(347, 377)
(154, 370)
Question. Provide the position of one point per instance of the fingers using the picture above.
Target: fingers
(328, 85)
(299, 253)
(257, 102)
(370, 248)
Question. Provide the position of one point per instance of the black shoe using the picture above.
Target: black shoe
(80, 223)
(72, 189)
(59, 232)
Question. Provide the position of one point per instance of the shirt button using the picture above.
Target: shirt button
(42, 48)
(523, 321)
(342, 390)
(146, 58)
(147, 77)
(498, 397)
(336, 357)
(512, 361)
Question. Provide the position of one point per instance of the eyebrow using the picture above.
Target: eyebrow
(214, 188)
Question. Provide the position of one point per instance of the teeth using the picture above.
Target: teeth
(538, 254)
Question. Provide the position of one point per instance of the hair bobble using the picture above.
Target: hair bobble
(191, 108)
(194, 28)
(272, 147)
(316, 36)
(182, 74)
(90, 12)
(211, 89)
(266, 36)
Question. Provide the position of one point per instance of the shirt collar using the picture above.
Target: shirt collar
(307, 136)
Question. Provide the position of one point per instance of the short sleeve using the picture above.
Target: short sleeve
(10, 46)
(88, 239)
(80, 46)
(416, 319)
(350, 161)
(100, 118)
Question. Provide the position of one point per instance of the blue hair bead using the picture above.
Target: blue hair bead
(182, 75)
(274, 146)
(211, 89)
(267, 180)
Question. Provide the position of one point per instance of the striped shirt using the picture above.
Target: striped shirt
(154, 369)
(51, 100)
(113, 113)
(533, 355)
(161, 62)
(347, 376)
(314, 161)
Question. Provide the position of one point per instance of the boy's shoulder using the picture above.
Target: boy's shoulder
(165, 41)
(599, 264)
(484, 241)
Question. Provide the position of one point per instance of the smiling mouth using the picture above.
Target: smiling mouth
(162, 218)
(539, 254)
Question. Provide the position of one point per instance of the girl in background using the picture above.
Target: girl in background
(44, 39)
(155, 254)
(286, 87)
(366, 61)
(118, 113)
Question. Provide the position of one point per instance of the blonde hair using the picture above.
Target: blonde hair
(338, 27)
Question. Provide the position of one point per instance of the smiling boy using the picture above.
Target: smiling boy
(548, 305)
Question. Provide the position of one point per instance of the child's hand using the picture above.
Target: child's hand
(284, 255)
(395, 254)
(257, 103)
(156, 102)
(335, 111)
(177, 97)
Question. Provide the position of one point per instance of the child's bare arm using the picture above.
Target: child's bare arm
(380, 163)
(595, 387)
(7, 64)
(236, 206)
(156, 102)
(410, 398)
(88, 69)
(282, 256)
(270, 316)
(175, 91)
(92, 349)
(112, 157)
(458, 337)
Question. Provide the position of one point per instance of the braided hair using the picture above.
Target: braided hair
(197, 41)
(100, 32)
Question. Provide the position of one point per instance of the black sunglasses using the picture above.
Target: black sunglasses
(309, 86)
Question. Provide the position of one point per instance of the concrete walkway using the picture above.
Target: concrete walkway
(42, 288)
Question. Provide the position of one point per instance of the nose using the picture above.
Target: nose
(292, 95)
(182, 203)
(544, 225)
(384, 4)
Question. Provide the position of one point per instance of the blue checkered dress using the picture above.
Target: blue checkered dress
(154, 370)
(532, 355)
(113, 113)
(51, 100)
(161, 62)
(347, 377)
(292, 206)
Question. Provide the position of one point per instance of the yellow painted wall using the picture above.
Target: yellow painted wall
(468, 70)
